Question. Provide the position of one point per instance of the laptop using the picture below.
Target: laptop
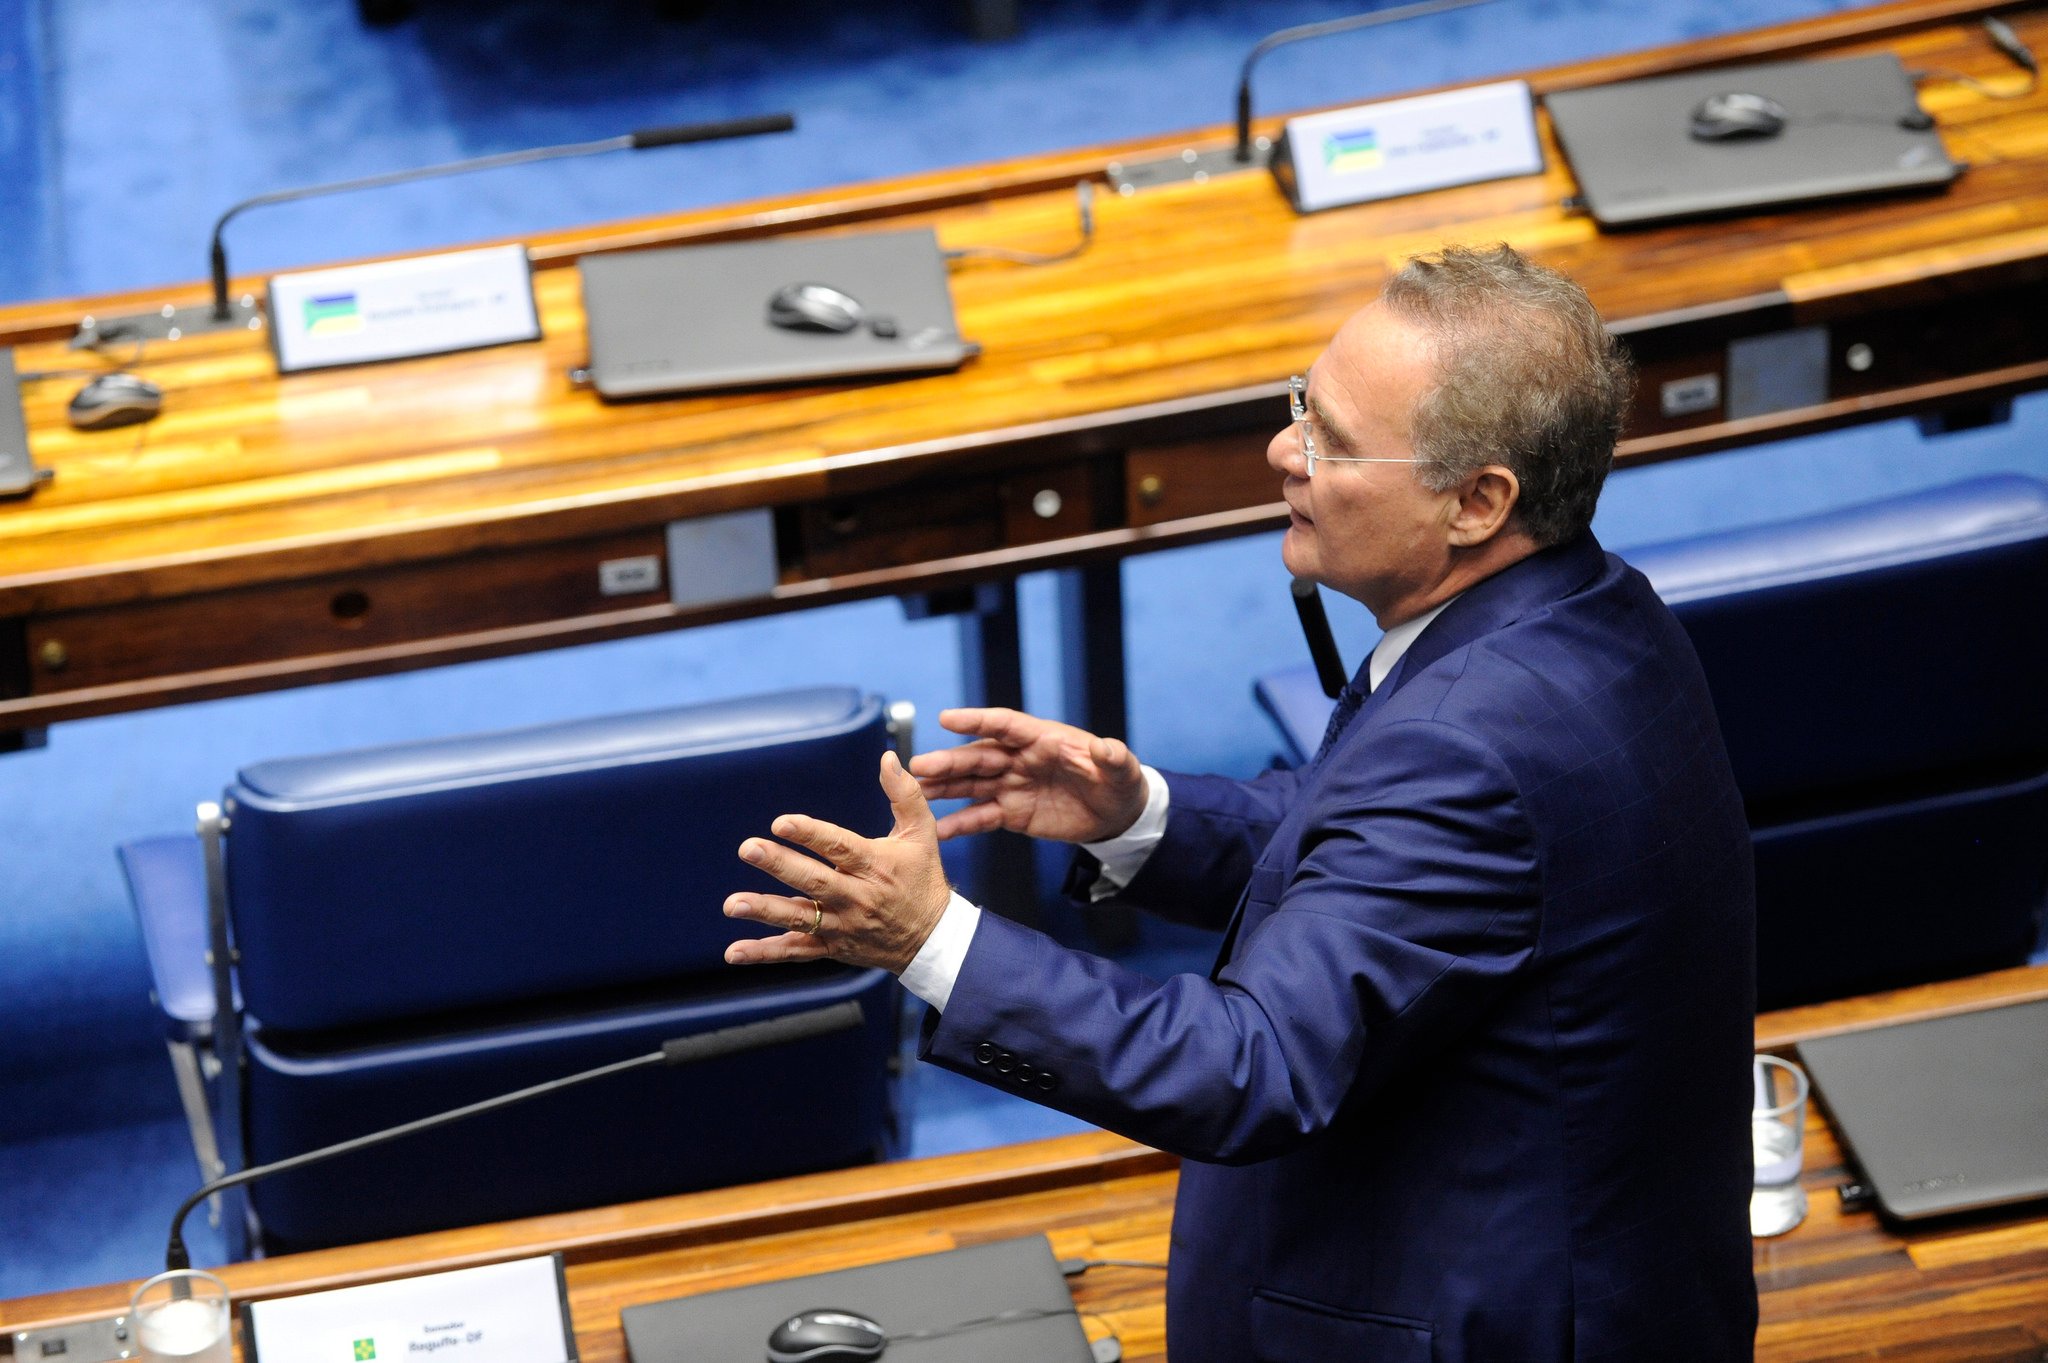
(1945, 1115)
(1849, 130)
(691, 319)
(1000, 1302)
(17, 470)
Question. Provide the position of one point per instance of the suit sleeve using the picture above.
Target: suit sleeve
(1413, 903)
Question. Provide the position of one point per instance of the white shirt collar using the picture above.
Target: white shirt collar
(1395, 642)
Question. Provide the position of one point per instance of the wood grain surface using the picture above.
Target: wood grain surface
(1842, 1286)
(459, 504)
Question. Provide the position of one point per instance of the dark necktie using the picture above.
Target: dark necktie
(1348, 700)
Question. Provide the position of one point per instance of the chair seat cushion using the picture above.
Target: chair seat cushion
(821, 1103)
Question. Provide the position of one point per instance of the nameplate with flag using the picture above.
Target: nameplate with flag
(1404, 146)
(400, 309)
(515, 1312)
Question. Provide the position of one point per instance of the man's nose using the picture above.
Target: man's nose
(1283, 452)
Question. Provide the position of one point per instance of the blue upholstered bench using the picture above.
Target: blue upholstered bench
(422, 925)
(1877, 671)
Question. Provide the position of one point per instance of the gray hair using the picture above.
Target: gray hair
(1527, 376)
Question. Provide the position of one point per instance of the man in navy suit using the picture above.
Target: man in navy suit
(1470, 1079)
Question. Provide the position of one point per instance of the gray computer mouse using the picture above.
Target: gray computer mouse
(1737, 113)
(814, 307)
(826, 1335)
(116, 399)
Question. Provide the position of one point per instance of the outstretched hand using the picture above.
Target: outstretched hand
(1032, 776)
(866, 901)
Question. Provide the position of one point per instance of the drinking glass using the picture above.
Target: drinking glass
(182, 1317)
(1777, 1138)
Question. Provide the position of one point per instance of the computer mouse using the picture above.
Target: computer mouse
(814, 307)
(116, 399)
(1737, 113)
(826, 1336)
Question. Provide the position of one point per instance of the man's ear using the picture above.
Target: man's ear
(1486, 501)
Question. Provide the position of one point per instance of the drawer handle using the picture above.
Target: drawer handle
(1151, 489)
(1046, 503)
(53, 655)
(350, 606)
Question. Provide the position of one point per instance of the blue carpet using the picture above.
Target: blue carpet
(113, 185)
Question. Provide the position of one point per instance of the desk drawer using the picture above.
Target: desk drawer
(343, 612)
(1171, 482)
(936, 520)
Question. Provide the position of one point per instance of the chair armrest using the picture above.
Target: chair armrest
(167, 885)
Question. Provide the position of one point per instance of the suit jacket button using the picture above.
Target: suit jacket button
(1047, 1081)
(985, 1053)
(1024, 1075)
(1005, 1062)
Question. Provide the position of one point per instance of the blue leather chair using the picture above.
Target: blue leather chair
(423, 925)
(1878, 673)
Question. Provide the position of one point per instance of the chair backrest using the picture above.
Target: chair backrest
(1898, 645)
(1876, 670)
(424, 878)
(1877, 673)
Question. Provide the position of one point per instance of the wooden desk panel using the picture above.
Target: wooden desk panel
(1842, 1286)
(459, 505)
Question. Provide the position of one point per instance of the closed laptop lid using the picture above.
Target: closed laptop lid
(17, 470)
(1631, 146)
(695, 318)
(1004, 1301)
(1944, 1115)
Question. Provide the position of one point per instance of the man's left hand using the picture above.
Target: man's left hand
(869, 901)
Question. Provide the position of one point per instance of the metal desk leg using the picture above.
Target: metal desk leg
(1002, 872)
(1091, 604)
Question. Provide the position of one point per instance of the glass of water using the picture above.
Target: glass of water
(182, 1317)
(1777, 1138)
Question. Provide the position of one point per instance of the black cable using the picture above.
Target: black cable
(2006, 41)
(983, 1322)
(1084, 203)
(1074, 1268)
(95, 345)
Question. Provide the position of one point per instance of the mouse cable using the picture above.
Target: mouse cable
(2006, 41)
(1074, 1268)
(983, 1322)
(1084, 204)
(97, 346)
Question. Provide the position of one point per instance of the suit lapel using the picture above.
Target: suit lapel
(1536, 581)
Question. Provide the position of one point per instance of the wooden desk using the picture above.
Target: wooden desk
(1842, 1285)
(268, 531)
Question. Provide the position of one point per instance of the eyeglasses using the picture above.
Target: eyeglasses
(1297, 408)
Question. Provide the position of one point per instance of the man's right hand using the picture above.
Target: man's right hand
(1032, 776)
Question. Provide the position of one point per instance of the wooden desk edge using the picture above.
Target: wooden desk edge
(713, 1216)
(1779, 1032)
(849, 1195)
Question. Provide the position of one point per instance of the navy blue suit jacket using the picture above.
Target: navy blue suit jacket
(1470, 1080)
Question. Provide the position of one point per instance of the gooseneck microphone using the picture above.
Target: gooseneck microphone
(1322, 645)
(634, 141)
(1322, 29)
(686, 1050)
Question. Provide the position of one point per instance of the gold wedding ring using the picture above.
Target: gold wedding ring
(818, 918)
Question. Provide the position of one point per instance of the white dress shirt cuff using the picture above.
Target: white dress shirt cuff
(1124, 855)
(932, 972)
